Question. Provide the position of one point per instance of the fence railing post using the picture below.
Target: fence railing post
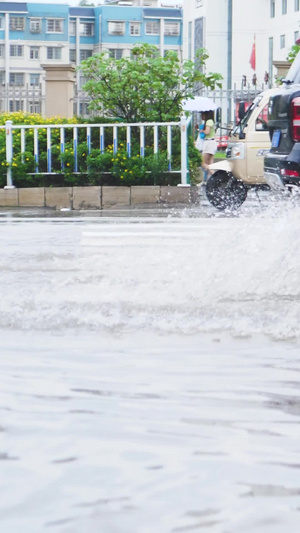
(184, 152)
(9, 154)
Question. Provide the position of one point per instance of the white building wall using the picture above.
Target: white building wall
(249, 23)
(249, 18)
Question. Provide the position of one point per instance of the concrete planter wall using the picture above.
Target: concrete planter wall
(79, 198)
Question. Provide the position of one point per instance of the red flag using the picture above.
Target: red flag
(252, 59)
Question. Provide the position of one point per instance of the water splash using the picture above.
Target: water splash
(182, 274)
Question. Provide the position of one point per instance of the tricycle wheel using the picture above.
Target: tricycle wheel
(223, 191)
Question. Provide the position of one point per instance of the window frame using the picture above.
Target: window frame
(262, 118)
(117, 23)
(38, 22)
(72, 24)
(16, 75)
(176, 26)
(35, 76)
(53, 20)
(83, 52)
(282, 41)
(53, 48)
(284, 7)
(32, 52)
(114, 52)
(152, 24)
(72, 51)
(16, 105)
(134, 24)
(34, 107)
(272, 9)
(85, 25)
(17, 47)
(16, 27)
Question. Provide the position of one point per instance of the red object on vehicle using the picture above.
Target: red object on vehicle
(296, 119)
(222, 141)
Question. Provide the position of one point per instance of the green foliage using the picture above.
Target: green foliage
(293, 52)
(146, 87)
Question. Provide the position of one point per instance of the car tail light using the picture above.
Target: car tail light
(296, 119)
(290, 173)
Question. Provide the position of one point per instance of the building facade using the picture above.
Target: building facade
(245, 41)
(229, 29)
(35, 35)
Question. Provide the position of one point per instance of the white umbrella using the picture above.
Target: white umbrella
(199, 103)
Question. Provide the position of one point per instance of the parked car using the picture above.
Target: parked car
(282, 163)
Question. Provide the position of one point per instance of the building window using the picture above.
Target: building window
(115, 53)
(172, 28)
(116, 27)
(190, 40)
(297, 5)
(135, 28)
(83, 109)
(53, 52)
(152, 28)
(2, 50)
(284, 7)
(72, 27)
(16, 105)
(2, 77)
(86, 28)
(55, 25)
(271, 50)
(34, 79)
(16, 78)
(35, 25)
(34, 52)
(296, 35)
(16, 50)
(282, 41)
(82, 81)
(1, 23)
(34, 107)
(72, 55)
(272, 9)
(84, 54)
(17, 23)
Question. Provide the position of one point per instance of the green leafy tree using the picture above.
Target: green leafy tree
(145, 87)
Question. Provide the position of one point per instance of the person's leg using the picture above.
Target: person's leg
(206, 161)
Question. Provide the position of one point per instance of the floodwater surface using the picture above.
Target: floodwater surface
(150, 371)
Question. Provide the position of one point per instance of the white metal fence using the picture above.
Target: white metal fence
(102, 129)
(228, 101)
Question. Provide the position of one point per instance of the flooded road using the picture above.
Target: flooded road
(150, 371)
